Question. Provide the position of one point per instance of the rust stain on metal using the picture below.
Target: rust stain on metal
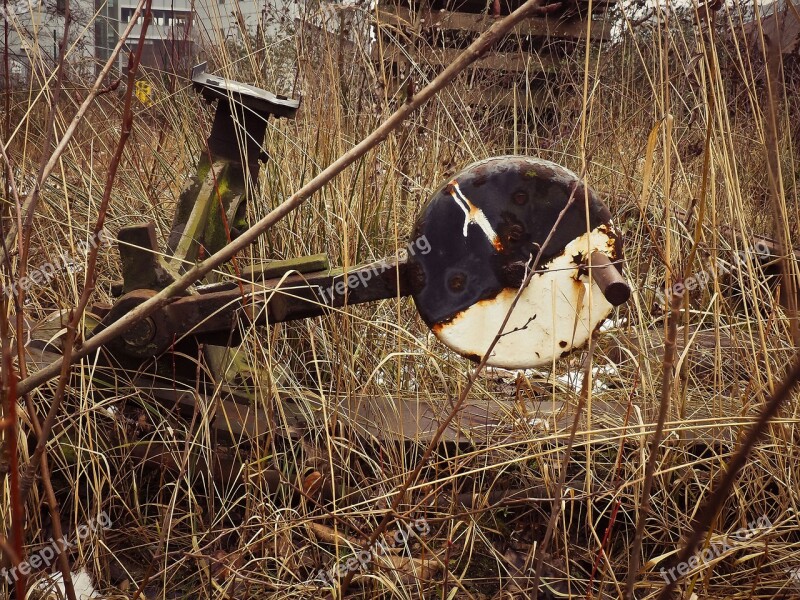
(470, 287)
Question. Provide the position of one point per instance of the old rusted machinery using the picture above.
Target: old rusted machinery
(472, 247)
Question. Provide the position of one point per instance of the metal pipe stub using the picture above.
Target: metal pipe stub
(609, 279)
(482, 228)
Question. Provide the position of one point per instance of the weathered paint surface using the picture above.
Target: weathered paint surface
(553, 315)
(473, 214)
(465, 286)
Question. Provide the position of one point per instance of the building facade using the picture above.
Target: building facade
(180, 33)
(168, 44)
(35, 31)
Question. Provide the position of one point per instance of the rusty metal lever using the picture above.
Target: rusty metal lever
(218, 309)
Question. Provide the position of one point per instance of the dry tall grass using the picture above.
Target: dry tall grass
(672, 115)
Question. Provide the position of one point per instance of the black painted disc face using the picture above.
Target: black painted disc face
(480, 229)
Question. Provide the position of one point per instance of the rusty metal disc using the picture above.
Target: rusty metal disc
(480, 230)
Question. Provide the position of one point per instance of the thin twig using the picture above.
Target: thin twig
(77, 314)
(63, 558)
(781, 233)
(667, 377)
(555, 507)
(10, 431)
(25, 224)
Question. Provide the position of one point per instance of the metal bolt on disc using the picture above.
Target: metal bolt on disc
(484, 227)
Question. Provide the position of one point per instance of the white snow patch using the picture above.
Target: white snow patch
(53, 585)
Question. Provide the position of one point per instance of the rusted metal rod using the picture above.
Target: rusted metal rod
(609, 279)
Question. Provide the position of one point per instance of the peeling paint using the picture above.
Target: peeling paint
(473, 214)
(519, 198)
(556, 299)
